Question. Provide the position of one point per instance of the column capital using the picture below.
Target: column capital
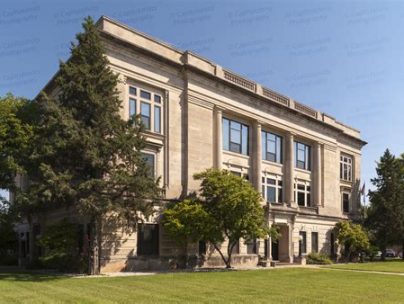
(218, 108)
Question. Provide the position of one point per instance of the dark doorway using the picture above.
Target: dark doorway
(275, 251)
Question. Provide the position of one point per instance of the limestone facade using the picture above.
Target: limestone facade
(199, 101)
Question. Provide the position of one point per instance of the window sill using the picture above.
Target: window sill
(303, 170)
(268, 162)
(236, 154)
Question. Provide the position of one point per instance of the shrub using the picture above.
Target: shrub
(318, 258)
(61, 248)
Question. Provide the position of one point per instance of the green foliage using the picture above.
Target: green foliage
(385, 216)
(60, 244)
(228, 208)
(353, 239)
(318, 259)
(15, 138)
(8, 237)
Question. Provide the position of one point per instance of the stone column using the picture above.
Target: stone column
(289, 170)
(317, 175)
(219, 138)
(257, 156)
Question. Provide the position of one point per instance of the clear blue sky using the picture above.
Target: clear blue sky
(344, 58)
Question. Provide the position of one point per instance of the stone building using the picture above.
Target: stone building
(200, 115)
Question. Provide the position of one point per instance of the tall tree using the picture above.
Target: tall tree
(228, 208)
(383, 218)
(15, 139)
(85, 155)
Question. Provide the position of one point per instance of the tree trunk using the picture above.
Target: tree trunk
(95, 247)
(226, 262)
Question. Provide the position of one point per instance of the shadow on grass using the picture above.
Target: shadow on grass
(15, 274)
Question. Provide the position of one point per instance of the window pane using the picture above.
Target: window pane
(225, 131)
(300, 198)
(272, 143)
(235, 147)
(132, 90)
(345, 202)
(157, 98)
(235, 136)
(271, 194)
(145, 95)
(132, 107)
(244, 148)
(157, 119)
(271, 157)
(271, 181)
(301, 187)
(150, 161)
(308, 158)
(145, 113)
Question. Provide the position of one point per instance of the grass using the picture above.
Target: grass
(260, 286)
(396, 266)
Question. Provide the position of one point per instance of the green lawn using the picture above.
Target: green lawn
(387, 266)
(260, 286)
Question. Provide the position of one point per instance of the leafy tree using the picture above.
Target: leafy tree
(84, 155)
(60, 244)
(385, 213)
(353, 239)
(15, 139)
(8, 237)
(228, 208)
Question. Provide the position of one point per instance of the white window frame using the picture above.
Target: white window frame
(346, 166)
(306, 191)
(152, 102)
(278, 186)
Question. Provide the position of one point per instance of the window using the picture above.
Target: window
(148, 239)
(302, 193)
(157, 119)
(271, 147)
(145, 115)
(235, 136)
(345, 202)
(345, 168)
(302, 243)
(302, 156)
(148, 105)
(150, 162)
(272, 189)
(314, 242)
(132, 107)
(251, 246)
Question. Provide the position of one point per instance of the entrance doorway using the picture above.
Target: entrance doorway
(275, 250)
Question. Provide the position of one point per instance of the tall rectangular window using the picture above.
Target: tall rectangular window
(132, 107)
(271, 147)
(302, 243)
(235, 136)
(345, 202)
(272, 189)
(145, 114)
(345, 168)
(314, 242)
(157, 120)
(302, 156)
(302, 193)
(148, 239)
(150, 162)
(149, 105)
